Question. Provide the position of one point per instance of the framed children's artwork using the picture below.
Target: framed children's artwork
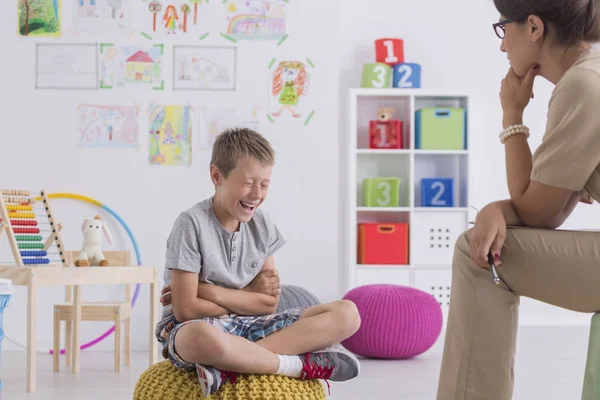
(204, 68)
(131, 66)
(66, 66)
(289, 89)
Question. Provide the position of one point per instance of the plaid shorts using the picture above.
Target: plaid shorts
(253, 328)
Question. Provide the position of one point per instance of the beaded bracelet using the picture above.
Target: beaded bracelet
(513, 130)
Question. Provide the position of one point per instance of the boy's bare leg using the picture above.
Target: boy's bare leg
(201, 343)
(318, 327)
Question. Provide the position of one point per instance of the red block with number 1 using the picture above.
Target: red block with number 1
(389, 51)
(385, 134)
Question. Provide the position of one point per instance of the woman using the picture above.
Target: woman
(551, 39)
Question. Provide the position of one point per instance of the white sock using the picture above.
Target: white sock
(290, 366)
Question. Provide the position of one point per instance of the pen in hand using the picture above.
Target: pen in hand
(495, 277)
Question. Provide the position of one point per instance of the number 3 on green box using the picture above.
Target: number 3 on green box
(376, 75)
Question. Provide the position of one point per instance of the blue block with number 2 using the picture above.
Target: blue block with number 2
(437, 192)
(407, 75)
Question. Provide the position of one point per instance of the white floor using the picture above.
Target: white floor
(550, 365)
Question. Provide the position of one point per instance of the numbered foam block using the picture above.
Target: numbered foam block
(381, 192)
(381, 243)
(441, 129)
(377, 75)
(437, 192)
(407, 75)
(385, 134)
(389, 51)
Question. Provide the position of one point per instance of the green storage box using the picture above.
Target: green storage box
(441, 129)
(381, 192)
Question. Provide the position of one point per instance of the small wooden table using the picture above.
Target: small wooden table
(35, 276)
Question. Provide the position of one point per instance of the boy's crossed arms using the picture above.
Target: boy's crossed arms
(260, 297)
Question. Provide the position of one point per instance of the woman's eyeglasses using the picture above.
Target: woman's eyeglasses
(499, 27)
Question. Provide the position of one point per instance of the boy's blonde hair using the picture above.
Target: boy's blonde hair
(234, 144)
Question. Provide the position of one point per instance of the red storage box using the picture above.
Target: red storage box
(380, 243)
(385, 134)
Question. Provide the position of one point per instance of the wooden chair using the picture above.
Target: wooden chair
(118, 312)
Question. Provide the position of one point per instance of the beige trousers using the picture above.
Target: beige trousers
(561, 268)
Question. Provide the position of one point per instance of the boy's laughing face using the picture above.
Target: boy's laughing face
(242, 191)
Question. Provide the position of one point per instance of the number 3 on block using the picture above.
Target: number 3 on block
(376, 76)
(437, 192)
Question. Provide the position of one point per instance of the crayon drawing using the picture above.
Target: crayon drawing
(204, 68)
(39, 17)
(131, 66)
(102, 17)
(173, 18)
(255, 19)
(107, 126)
(289, 94)
(212, 121)
(66, 66)
(170, 135)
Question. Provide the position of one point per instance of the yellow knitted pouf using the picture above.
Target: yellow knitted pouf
(163, 381)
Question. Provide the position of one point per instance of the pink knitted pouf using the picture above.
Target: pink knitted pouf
(397, 322)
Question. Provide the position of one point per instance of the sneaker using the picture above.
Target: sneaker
(211, 379)
(332, 363)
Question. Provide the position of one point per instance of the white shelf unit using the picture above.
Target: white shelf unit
(432, 230)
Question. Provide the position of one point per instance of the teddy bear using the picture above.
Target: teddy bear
(385, 113)
(91, 253)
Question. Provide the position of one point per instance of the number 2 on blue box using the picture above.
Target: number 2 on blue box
(437, 192)
(407, 75)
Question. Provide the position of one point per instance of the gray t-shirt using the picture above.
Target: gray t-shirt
(198, 243)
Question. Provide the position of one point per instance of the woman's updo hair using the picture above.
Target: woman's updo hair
(569, 21)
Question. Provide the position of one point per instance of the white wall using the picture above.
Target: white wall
(458, 50)
(38, 151)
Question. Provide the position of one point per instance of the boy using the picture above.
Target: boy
(224, 290)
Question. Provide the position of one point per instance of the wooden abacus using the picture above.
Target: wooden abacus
(19, 219)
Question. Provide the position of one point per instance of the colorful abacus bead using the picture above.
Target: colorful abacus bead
(36, 261)
(28, 215)
(28, 238)
(30, 246)
(26, 230)
(9, 192)
(22, 222)
(34, 253)
(12, 207)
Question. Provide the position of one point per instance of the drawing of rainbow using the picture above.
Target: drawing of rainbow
(256, 26)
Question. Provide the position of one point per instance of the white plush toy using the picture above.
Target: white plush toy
(91, 253)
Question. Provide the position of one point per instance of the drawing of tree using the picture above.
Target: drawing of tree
(155, 6)
(185, 9)
(182, 62)
(29, 8)
(195, 3)
(114, 5)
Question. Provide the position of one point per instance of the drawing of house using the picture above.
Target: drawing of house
(139, 68)
(86, 8)
(202, 69)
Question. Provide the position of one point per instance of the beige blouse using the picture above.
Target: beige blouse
(569, 155)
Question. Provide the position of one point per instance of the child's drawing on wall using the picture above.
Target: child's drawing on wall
(171, 19)
(290, 82)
